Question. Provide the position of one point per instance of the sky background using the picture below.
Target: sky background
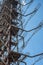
(35, 45)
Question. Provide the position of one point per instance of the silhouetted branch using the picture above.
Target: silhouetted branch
(26, 3)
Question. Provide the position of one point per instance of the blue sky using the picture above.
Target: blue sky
(35, 45)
